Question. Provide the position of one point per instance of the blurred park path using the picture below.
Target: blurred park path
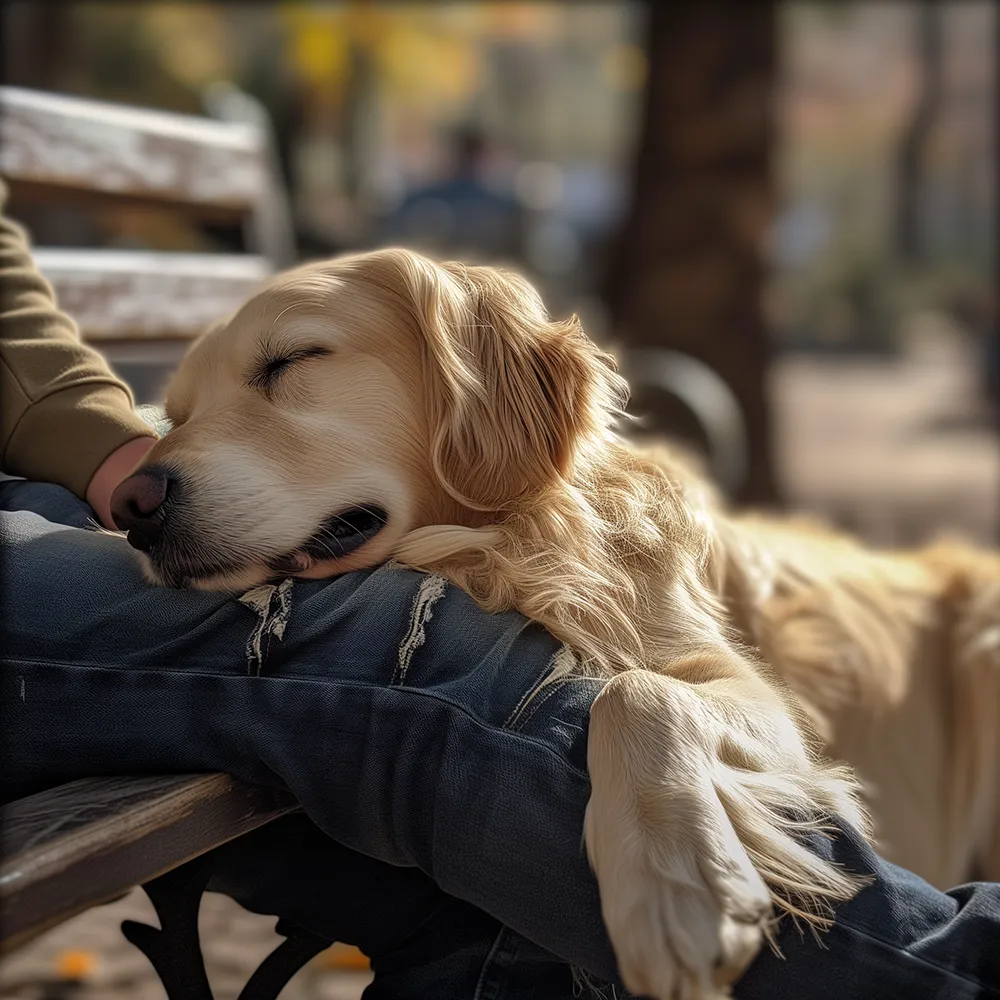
(897, 450)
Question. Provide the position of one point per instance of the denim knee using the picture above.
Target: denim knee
(47, 500)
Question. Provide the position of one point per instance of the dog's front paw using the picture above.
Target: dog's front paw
(685, 910)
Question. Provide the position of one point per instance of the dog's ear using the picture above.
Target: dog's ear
(513, 395)
(533, 392)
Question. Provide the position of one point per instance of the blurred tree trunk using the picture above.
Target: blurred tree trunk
(35, 40)
(913, 145)
(689, 272)
(360, 110)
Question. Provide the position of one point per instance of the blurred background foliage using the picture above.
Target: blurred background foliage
(746, 183)
(884, 152)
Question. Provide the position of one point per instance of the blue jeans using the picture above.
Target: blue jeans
(443, 808)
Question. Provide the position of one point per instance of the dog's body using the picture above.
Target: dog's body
(895, 658)
(385, 406)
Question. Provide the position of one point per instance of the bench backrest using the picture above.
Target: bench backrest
(140, 307)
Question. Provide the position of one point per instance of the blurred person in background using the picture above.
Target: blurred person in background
(464, 213)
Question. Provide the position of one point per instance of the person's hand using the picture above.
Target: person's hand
(111, 472)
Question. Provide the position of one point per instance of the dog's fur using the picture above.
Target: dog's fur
(446, 396)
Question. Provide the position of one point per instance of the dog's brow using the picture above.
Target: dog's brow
(274, 339)
(296, 334)
(274, 322)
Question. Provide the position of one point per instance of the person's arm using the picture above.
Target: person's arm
(64, 416)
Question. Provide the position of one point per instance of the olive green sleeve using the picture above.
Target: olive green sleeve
(62, 409)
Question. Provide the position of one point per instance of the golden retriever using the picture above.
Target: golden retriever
(385, 406)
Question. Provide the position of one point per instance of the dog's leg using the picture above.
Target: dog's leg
(698, 792)
(684, 907)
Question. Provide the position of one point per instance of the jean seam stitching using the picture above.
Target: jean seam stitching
(492, 727)
(972, 980)
(481, 981)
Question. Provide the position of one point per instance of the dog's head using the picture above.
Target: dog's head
(352, 401)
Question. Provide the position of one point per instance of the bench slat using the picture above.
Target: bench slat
(122, 294)
(89, 841)
(66, 142)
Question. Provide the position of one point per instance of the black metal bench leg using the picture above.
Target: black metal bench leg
(175, 949)
(275, 972)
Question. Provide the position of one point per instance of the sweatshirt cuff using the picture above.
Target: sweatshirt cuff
(64, 437)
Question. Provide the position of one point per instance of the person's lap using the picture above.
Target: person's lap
(421, 941)
(396, 713)
(184, 681)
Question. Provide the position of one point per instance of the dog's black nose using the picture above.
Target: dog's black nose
(137, 506)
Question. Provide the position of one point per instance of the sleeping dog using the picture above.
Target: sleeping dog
(384, 406)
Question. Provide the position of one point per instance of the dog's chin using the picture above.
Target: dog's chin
(248, 577)
(253, 576)
(354, 539)
(235, 580)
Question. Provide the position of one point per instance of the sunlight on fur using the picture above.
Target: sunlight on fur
(745, 655)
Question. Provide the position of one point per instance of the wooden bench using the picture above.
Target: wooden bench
(141, 307)
(87, 842)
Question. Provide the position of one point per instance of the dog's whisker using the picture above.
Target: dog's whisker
(375, 516)
(321, 541)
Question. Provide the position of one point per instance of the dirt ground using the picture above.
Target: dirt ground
(896, 451)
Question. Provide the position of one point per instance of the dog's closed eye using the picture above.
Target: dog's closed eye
(268, 369)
